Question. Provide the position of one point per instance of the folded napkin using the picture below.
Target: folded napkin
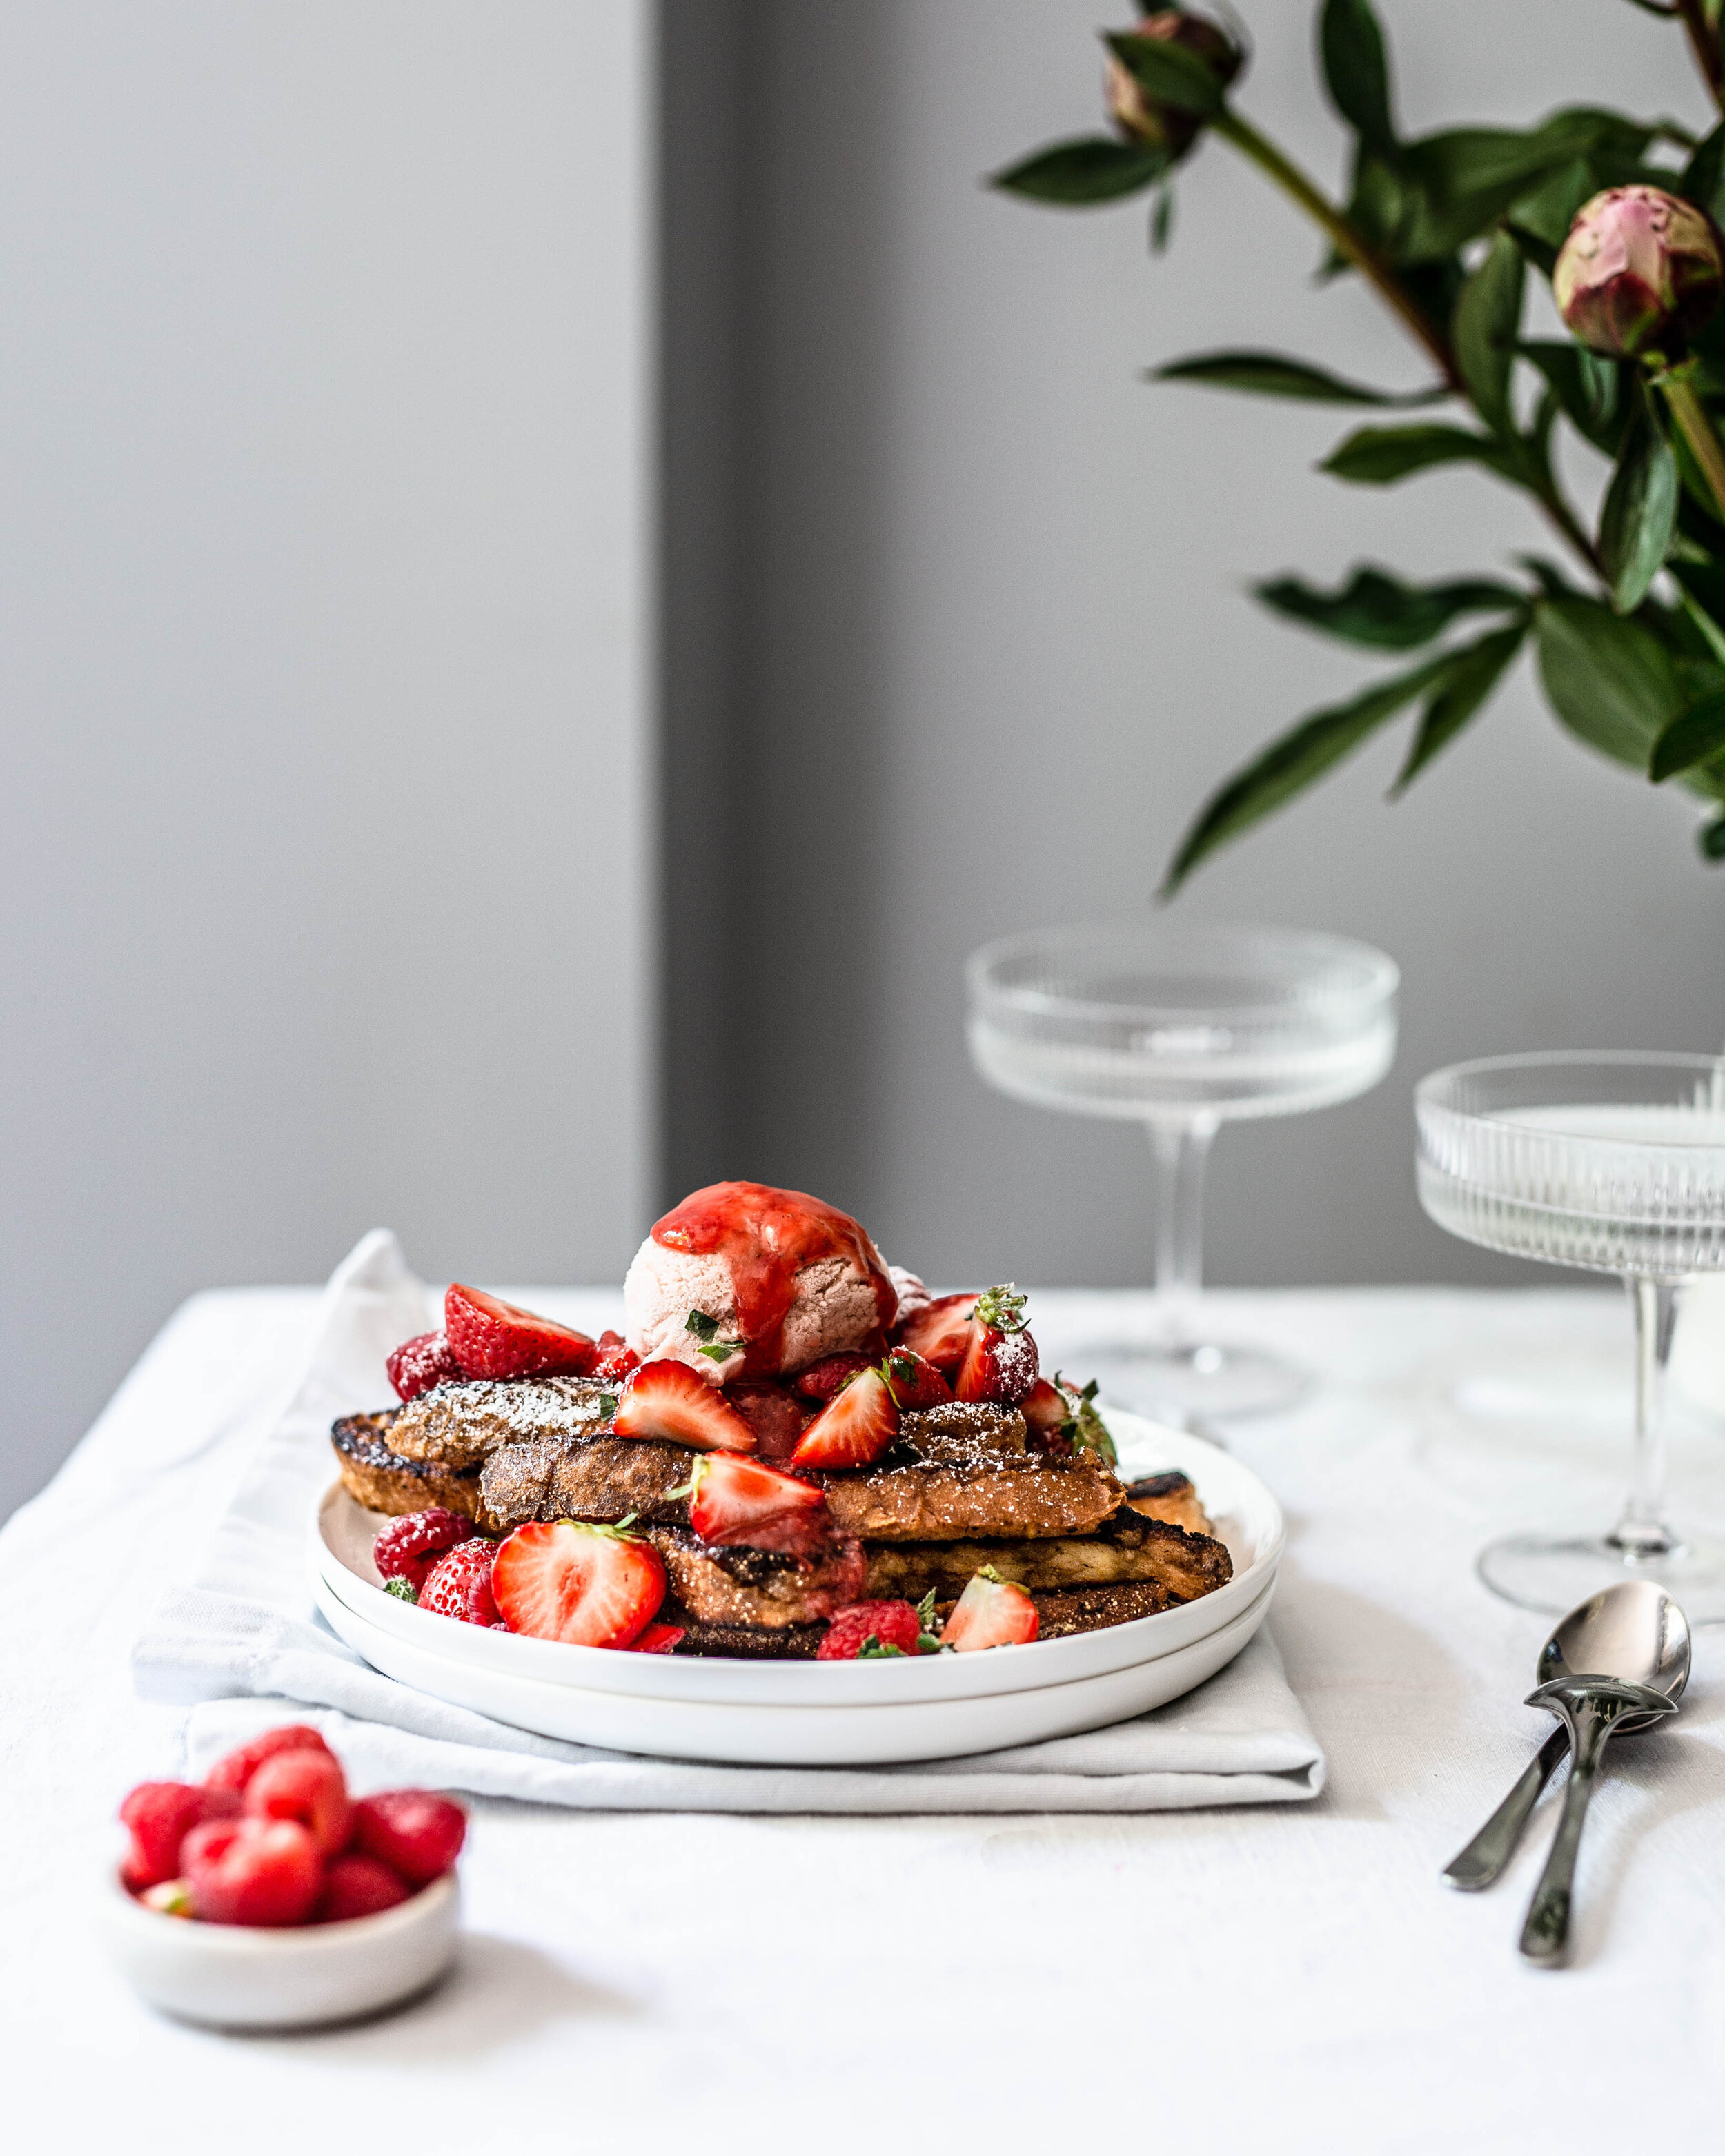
(244, 1645)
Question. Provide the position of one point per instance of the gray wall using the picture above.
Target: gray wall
(991, 646)
(323, 434)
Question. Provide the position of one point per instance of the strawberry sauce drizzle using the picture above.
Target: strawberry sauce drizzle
(767, 1237)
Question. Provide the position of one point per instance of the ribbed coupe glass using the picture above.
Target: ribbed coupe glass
(1182, 1027)
(1615, 1163)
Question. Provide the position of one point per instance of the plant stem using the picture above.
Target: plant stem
(1690, 414)
(1704, 42)
(1360, 250)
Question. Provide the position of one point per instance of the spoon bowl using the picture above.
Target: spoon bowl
(1633, 1631)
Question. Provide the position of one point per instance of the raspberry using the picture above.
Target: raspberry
(459, 1583)
(408, 1548)
(252, 1871)
(307, 1786)
(415, 1832)
(161, 1814)
(237, 1768)
(887, 1624)
(422, 1361)
(357, 1886)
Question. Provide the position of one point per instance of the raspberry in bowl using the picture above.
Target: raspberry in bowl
(267, 1896)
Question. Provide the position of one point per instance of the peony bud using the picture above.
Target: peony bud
(1639, 274)
(1142, 119)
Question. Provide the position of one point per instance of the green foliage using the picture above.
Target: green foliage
(1356, 71)
(1462, 690)
(1268, 374)
(1377, 609)
(1379, 456)
(1692, 738)
(1094, 168)
(1488, 320)
(1613, 683)
(1640, 516)
(1445, 227)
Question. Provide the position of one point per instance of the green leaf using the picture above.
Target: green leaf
(1640, 515)
(1703, 177)
(1703, 582)
(1161, 220)
(1488, 320)
(1168, 73)
(1291, 763)
(1377, 609)
(1460, 182)
(1094, 168)
(1609, 680)
(1378, 456)
(1546, 213)
(1469, 678)
(1356, 71)
(1710, 838)
(1268, 374)
(1690, 738)
(1589, 389)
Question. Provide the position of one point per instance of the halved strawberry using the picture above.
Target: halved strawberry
(491, 1338)
(1046, 1411)
(736, 1500)
(658, 1639)
(914, 1381)
(992, 1612)
(826, 1379)
(616, 1358)
(667, 1399)
(852, 1430)
(941, 1332)
(588, 1586)
(1001, 1361)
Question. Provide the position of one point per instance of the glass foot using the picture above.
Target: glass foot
(1184, 1384)
(1553, 1575)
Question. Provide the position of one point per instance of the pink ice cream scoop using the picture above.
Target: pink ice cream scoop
(742, 1280)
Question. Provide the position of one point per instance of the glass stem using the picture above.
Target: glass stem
(1181, 1150)
(1642, 1532)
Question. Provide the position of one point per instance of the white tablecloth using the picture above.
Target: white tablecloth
(1293, 1978)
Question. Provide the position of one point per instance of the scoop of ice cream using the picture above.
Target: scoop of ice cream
(742, 1278)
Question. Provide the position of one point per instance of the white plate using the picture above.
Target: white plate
(683, 1706)
(792, 1735)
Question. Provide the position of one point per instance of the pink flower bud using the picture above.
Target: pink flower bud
(1141, 118)
(1639, 274)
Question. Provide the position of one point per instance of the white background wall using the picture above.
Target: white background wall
(323, 415)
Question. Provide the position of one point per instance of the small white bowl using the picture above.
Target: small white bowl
(244, 1976)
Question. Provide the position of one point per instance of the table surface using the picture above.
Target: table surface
(1293, 1978)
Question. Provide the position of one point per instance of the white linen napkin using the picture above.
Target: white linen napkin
(243, 1641)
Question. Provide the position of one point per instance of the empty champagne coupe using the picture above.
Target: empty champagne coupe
(1613, 1163)
(1183, 1028)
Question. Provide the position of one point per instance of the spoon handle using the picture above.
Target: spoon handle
(1593, 1709)
(1492, 1848)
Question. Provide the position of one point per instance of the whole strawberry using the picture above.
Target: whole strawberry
(459, 1583)
(1001, 1361)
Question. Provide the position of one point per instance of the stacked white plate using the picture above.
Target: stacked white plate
(825, 1714)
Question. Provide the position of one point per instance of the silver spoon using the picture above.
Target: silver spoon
(1621, 1632)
